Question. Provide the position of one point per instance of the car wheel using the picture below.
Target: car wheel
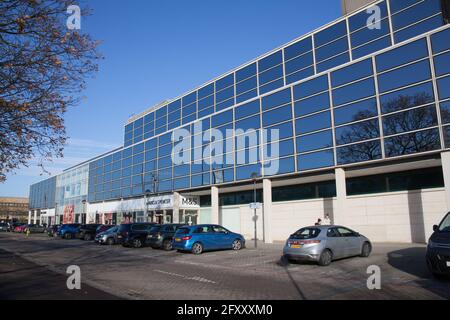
(237, 245)
(137, 243)
(167, 245)
(366, 250)
(110, 241)
(197, 248)
(87, 237)
(325, 258)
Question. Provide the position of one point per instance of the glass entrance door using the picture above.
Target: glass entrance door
(189, 217)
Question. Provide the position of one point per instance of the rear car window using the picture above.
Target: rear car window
(124, 227)
(306, 233)
(155, 229)
(183, 231)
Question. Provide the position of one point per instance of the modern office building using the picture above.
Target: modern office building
(13, 209)
(350, 120)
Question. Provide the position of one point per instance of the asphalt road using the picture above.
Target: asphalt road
(250, 274)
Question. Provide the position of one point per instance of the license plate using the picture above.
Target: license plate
(177, 239)
(448, 264)
(296, 246)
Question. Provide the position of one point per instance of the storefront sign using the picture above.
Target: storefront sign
(190, 202)
(161, 202)
(69, 214)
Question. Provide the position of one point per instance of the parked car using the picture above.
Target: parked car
(108, 237)
(134, 234)
(323, 244)
(12, 226)
(87, 231)
(52, 231)
(103, 227)
(438, 250)
(34, 228)
(20, 228)
(4, 227)
(161, 236)
(69, 231)
(200, 238)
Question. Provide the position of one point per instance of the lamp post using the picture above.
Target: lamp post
(84, 210)
(146, 195)
(254, 176)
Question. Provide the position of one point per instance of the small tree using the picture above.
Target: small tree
(43, 68)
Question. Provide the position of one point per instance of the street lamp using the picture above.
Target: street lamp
(84, 210)
(254, 177)
(146, 195)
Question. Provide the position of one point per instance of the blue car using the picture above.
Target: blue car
(205, 237)
(69, 231)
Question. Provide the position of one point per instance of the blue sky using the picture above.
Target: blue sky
(157, 50)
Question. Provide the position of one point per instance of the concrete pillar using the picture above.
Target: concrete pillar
(35, 217)
(445, 158)
(338, 217)
(267, 210)
(176, 207)
(214, 205)
(29, 216)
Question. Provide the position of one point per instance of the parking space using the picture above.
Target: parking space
(247, 274)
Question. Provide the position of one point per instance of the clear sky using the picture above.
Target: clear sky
(158, 50)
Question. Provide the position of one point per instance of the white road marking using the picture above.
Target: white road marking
(196, 278)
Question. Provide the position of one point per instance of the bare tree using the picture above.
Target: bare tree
(43, 69)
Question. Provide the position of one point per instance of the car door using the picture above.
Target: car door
(221, 237)
(336, 243)
(352, 241)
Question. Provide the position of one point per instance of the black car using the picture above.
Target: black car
(134, 234)
(87, 231)
(438, 251)
(4, 227)
(52, 231)
(161, 236)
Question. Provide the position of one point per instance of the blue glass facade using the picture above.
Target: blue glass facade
(42, 194)
(342, 95)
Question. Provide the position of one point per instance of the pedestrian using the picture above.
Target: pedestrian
(319, 222)
(327, 220)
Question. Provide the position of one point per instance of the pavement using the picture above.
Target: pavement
(109, 272)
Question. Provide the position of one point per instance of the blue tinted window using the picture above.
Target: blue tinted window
(161, 112)
(441, 41)
(299, 63)
(360, 131)
(282, 166)
(246, 96)
(164, 139)
(333, 62)
(445, 112)
(371, 47)
(360, 19)
(247, 109)
(406, 75)
(270, 61)
(447, 136)
(138, 148)
(397, 5)
(279, 149)
(402, 55)
(410, 120)
(176, 105)
(189, 99)
(246, 72)
(418, 12)
(315, 141)
(225, 94)
(150, 144)
(138, 123)
(246, 85)
(331, 33)
(245, 172)
(271, 86)
(277, 115)
(222, 118)
(313, 104)
(442, 64)
(298, 48)
(356, 111)
(181, 183)
(224, 104)
(420, 28)
(248, 123)
(351, 73)
(189, 109)
(206, 91)
(407, 98)
(313, 123)
(282, 131)
(223, 176)
(205, 112)
(366, 35)
(359, 152)
(354, 91)
(173, 116)
(276, 99)
(331, 49)
(444, 88)
(311, 87)
(410, 143)
(300, 75)
(271, 75)
(315, 160)
(205, 103)
(225, 82)
(127, 152)
(129, 127)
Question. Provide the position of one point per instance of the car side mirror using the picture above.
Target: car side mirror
(435, 228)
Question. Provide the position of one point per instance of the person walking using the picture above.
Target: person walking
(319, 222)
(327, 220)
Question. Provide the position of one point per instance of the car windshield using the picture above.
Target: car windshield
(306, 233)
(155, 229)
(113, 229)
(183, 231)
(445, 225)
(124, 227)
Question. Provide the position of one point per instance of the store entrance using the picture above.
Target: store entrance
(161, 216)
(189, 217)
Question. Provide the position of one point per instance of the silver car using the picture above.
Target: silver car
(324, 244)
